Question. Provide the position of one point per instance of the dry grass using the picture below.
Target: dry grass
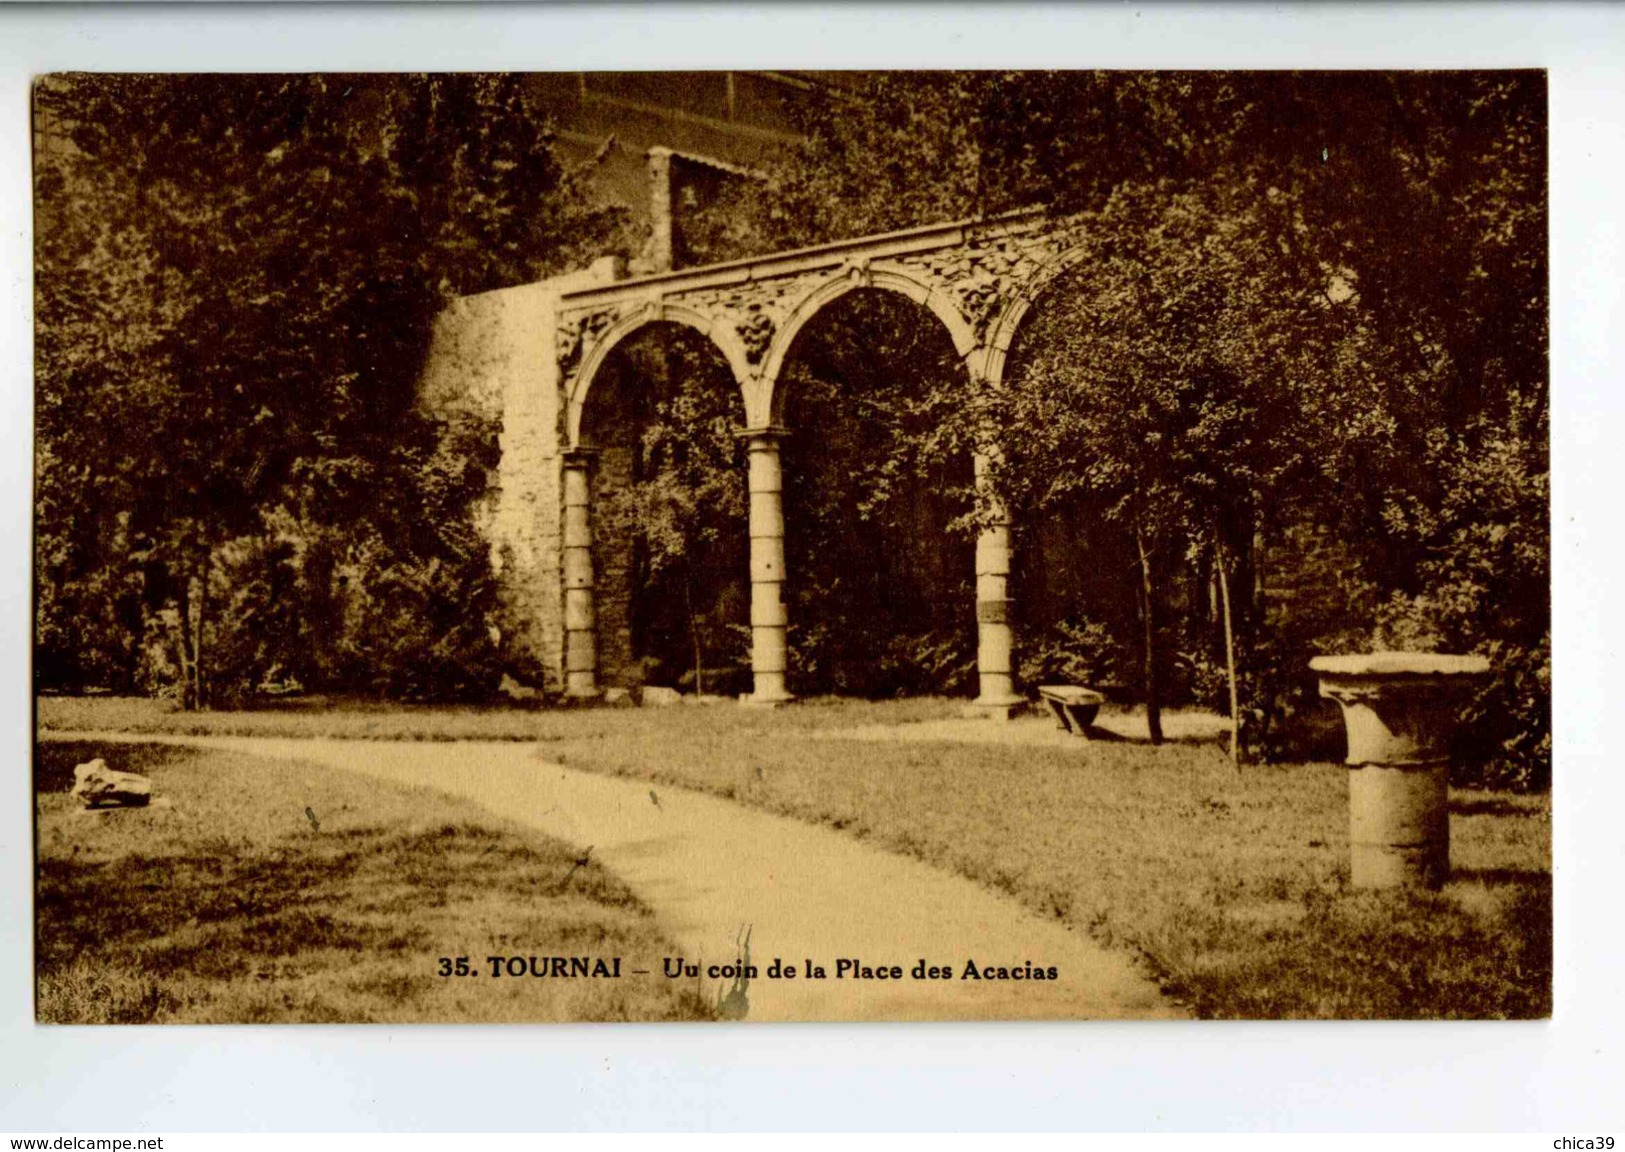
(230, 905)
(1232, 886)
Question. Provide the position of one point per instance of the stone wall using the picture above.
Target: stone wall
(494, 354)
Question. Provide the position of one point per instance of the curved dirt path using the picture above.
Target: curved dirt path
(708, 866)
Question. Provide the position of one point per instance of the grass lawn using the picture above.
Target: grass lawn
(346, 719)
(229, 904)
(1231, 886)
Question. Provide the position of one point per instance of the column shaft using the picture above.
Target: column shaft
(768, 618)
(580, 616)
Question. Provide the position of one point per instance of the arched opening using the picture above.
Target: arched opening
(669, 540)
(880, 577)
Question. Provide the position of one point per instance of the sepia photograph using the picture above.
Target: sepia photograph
(791, 546)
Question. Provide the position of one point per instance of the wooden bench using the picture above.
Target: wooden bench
(1075, 707)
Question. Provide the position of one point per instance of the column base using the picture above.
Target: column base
(581, 685)
(752, 700)
(995, 708)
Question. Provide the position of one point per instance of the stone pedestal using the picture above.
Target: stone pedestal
(768, 619)
(1399, 709)
(580, 616)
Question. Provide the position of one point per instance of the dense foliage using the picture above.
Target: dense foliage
(236, 278)
(878, 549)
(879, 562)
(674, 512)
(1305, 358)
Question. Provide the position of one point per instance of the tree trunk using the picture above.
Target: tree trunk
(183, 646)
(1229, 650)
(202, 693)
(694, 629)
(1153, 682)
(1260, 602)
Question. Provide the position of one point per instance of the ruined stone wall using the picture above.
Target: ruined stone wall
(495, 355)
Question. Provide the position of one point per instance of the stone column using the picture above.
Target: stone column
(580, 617)
(996, 694)
(768, 618)
(1399, 709)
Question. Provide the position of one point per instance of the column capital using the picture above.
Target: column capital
(580, 457)
(770, 433)
(1399, 708)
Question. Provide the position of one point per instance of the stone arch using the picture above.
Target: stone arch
(856, 584)
(1006, 323)
(717, 331)
(769, 403)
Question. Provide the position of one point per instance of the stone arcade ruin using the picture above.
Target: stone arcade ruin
(530, 355)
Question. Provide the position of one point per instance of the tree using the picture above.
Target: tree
(1483, 585)
(1185, 377)
(1413, 203)
(282, 244)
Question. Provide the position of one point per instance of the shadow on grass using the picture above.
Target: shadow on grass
(1503, 877)
(1493, 806)
(1100, 735)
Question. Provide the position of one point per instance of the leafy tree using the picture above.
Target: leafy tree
(1185, 378)
(237, 277)
(1483, 581)
(1320, 298)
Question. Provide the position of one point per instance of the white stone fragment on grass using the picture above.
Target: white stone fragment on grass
(102, 787)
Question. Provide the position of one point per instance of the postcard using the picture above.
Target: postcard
(791, 546)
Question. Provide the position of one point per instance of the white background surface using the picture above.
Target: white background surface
(1564, 1076)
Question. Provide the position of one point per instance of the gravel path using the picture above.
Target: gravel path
(709, 867)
